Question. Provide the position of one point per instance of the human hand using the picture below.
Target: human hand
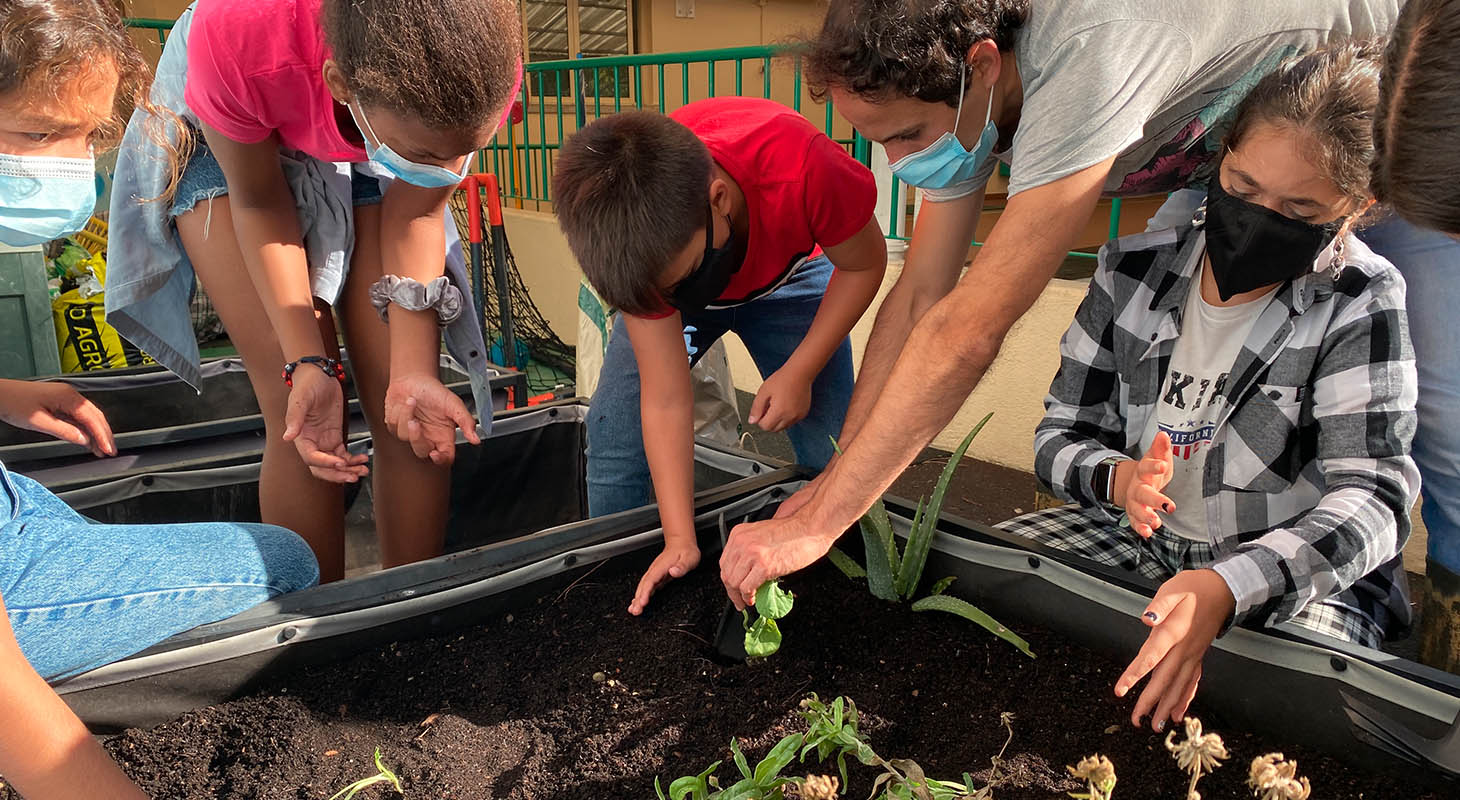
(1186, 615)
(1142, 496)
(760, 551)
(58, 410)
(422, 411)
(677, 559)
(783, 400)
(314, 421)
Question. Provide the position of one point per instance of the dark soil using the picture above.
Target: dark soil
(510, 709)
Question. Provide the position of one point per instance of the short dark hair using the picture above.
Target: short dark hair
(630, 191)
(449, 63)
(44, 44)
(1328, 95)
(1417, 124)
(914, 48)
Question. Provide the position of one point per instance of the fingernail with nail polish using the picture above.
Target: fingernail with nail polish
(1151, 615)
(1160, 725)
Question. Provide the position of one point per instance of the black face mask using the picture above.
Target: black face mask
(1251, 246)
(708, 281)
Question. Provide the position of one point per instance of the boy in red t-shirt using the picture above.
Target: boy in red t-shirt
(730, 214)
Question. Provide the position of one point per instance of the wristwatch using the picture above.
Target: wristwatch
(1104, 483)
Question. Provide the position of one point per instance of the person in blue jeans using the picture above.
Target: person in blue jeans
(1417, 144)
(77, 595)
(729, 214)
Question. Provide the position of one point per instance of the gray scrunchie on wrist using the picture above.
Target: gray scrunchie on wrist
(412, 295)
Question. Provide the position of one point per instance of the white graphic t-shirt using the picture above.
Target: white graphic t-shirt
(1193, 397)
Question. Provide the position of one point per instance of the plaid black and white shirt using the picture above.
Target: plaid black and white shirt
(1309, 483)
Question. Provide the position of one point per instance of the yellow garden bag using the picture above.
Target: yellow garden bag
(85, 341)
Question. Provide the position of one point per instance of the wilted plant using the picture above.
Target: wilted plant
(1099, 776)
(1272, 778)
(1198, 755)
(383, 775)
(894, 576)
(820, 787)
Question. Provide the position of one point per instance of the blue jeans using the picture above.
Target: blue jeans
(771, 327)
(1430, 264)
(80, 594)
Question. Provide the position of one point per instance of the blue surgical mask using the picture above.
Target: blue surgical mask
(44, 198)
(945, 166)
(428, 176)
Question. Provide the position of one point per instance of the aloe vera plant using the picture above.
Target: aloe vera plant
(895, 576)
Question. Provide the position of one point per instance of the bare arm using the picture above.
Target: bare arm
(946, 354)
(267, 225)
(860, 264)
(965, 330)
(785, 397)
(935, 257)
(412, 245)
(666, 410)
(45, 751)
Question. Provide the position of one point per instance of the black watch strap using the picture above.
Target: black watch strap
(1104, 483)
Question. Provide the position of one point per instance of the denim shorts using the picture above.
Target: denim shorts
(202, 179)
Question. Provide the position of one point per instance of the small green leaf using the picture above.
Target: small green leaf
(777, 759)
(659, 790)
(740, 762)
(763, 639)
(773, 602)
(961, 608)
(845, 563)
(942, 585)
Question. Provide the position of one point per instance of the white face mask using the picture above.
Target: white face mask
(44, 198)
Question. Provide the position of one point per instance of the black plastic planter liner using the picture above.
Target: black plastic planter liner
(517, 505)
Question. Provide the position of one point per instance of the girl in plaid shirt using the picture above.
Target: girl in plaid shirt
(1243, 392)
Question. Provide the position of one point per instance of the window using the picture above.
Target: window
(562, 29)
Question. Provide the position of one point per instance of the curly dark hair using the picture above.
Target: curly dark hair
(45, 44)
(914, 48)
(449, 63)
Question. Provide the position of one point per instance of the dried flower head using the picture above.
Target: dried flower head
(1272, 778)
(819, 787)
(1098, 774)
(1198, 755)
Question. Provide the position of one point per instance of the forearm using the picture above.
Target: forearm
(667, 421)
(413, 245)
(45, 751)
(847, 296)
(890, 331)
(273, 251)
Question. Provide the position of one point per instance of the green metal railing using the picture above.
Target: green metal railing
(582, 89)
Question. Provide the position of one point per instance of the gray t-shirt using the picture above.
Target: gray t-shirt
(1155, 81)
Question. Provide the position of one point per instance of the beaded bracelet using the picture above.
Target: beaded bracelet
(330, 366)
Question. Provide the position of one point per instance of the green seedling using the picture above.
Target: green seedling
(763, 782)
(832, 732)
(382, 776)
(895, 576)
(763, 637)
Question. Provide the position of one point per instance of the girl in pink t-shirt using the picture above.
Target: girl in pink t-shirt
(404, 90)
